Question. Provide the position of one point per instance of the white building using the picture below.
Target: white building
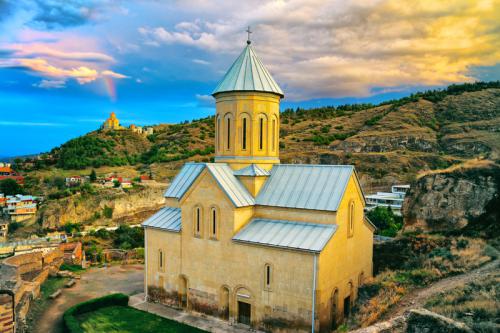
(393, 199)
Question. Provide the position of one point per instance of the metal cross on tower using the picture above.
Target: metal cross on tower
(249, 32)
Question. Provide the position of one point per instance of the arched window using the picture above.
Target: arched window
(261, 133)
(160, 260)
(273, 131)
(244, 135)
(213, 223)
(228, 133)
(351, 218)
(218, 135)
(197, 221)
(268, 278)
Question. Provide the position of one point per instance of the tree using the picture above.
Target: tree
(10, 187)
(386, 222)
(93, 176)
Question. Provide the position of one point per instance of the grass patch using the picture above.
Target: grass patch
(422, 260)
(475, 304)
(40, 304)
(124, 319)
(71, 268)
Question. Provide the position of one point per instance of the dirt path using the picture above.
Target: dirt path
(96, 282)
(418, 298)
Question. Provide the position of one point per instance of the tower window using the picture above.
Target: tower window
(228, 133)
(273, 142)
(244, 141)
(218, 133)
(261, 133)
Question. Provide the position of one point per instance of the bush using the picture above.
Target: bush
(9, 186)
(71, 324)
(107, 212)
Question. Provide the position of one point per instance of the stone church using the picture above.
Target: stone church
(247, 239)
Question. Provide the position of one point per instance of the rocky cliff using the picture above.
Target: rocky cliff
(90, 209)
(454, 200)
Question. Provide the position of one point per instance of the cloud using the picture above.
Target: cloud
(25, 123)
(114, 74)
(50, 84)
(205, 100)
(201, 62)
(42, 67)
(336, 48)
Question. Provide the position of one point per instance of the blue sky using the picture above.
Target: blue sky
(66, 64)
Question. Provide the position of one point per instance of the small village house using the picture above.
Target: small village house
(75, 181)
(280, 247)
(6, 172)
(20, 207)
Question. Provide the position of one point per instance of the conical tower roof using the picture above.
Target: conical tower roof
(248, 74)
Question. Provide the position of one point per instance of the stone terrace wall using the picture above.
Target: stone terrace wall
(6, 314)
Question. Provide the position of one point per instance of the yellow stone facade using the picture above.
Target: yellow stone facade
(200, 267)
(247, 127)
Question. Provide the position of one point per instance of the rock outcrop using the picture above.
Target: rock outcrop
(452, 200)
(90, 209)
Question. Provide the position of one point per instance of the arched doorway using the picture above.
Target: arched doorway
(334, 309)
(348, 301)
(224, 303)
(183, 291)
(243, 298)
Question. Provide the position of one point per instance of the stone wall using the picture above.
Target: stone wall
(22, 276)
(6, 314)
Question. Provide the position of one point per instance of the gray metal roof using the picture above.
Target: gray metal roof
(167, 218)
(319, 187)
(302, 236)
(184, 180)
(248, 74)
(234, 189)
(252, 170)
(223, 174)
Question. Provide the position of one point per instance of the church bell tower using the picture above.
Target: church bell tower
(247, 116)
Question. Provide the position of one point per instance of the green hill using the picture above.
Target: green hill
(389, 142)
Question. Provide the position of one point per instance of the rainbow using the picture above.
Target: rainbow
(110, 88)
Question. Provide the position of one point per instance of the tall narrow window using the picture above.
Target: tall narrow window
(351, 218)
(267, 276)
(228, 133)
(218, 133)
(160, 259)
(261, 133)
(197, 221)
(214, 223)
(244, 141)
(273, 142)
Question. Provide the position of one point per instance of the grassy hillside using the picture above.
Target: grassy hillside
(387, 143)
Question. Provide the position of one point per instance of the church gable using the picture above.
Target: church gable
(222, 174)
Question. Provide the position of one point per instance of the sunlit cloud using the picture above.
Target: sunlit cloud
(336, 48)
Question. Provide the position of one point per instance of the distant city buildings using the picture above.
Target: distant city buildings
(393, 199)
(6, 171)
